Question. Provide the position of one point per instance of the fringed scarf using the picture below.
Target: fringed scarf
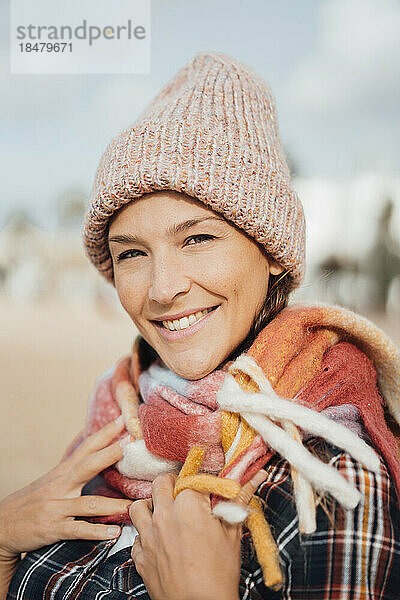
(317, 370)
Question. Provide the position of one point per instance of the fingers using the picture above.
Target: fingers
(98, 440)
(82, 530)
(189, 500)
(233, 530)
(163, 491)
(93, 464)
(94, 506)
(141, 515)
(250, 487)
(136, 548)
(75, 442)
(258, 478)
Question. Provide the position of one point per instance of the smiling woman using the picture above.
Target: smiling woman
(188, 261)
(241, 449)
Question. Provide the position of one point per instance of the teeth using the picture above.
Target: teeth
(178, 324)
(184, 322)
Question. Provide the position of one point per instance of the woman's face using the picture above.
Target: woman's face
(191, 282)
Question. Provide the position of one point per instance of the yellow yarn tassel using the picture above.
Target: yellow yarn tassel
(206, 483)
(193, 461)
(264, 543)
(190, 478)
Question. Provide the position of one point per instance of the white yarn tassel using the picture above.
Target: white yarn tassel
(139, 463)
(323, 477)
(303, 492)
(233, 398)
(261, 408)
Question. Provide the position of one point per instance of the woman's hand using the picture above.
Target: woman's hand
(44, 512)
(183, 552)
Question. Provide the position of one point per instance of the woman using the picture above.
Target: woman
(194, 220)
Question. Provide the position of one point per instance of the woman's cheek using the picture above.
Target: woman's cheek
(130, 291)
(217, 269)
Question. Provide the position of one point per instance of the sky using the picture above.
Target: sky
(333, 66)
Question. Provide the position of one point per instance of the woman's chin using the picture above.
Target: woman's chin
(192, 373)
(192, 369)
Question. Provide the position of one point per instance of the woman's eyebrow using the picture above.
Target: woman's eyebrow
(171, 231)
(179, 227)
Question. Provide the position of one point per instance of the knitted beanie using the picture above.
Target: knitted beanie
(211, 133)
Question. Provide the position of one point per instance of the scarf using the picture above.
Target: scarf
(313, 371)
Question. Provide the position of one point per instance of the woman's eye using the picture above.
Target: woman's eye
(129, 254)
(201, 237)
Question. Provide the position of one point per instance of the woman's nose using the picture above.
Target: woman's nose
(167, 281)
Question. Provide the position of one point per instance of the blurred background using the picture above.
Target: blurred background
(334, 68)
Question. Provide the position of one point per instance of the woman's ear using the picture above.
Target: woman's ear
(274, 267)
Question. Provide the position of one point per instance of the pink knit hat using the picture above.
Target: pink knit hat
(212, 133)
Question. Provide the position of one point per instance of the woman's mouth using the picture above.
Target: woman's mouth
(187, 321)
(187, 325)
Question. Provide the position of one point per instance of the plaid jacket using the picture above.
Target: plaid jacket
(354, 554)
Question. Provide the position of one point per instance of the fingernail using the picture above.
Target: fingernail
(119, 420)
(125, 440)
(113, 531)
(258, 478)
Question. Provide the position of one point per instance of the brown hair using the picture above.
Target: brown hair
(279, 287)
